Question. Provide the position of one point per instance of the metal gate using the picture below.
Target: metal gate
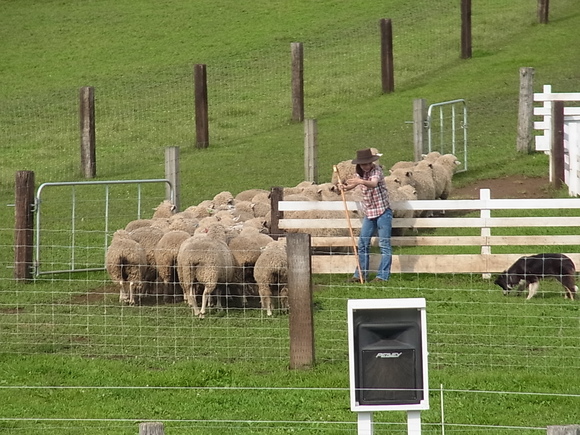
(447, 130)
(75, 220)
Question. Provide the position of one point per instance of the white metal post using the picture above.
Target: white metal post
(365, 423)
(413, 422)
(485, 194)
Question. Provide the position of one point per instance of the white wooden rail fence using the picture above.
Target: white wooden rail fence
(535, 213)
(571, 133)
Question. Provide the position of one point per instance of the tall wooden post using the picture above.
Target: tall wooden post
(301, 317)
(172, 174)
(297, 81)
(201, 106)
(525, 139)
(387, 67)
(558, 169)
(465, 29)
(276, 195)
(543, 11)
(419, 127)
(310, 151)
(87, 127)
(24, 225)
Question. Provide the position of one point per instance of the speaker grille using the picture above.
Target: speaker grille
(388, 376)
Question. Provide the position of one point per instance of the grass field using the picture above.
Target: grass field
(74, 361)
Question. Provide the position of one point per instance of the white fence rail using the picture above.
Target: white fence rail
(496, 235)
(571, 133)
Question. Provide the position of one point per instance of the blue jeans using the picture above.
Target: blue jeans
(381, 225)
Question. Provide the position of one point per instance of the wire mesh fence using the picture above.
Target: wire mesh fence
(472, 327)
(248, 95)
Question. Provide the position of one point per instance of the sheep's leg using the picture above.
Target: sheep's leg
(283, 295)
(207, 292)
(265, 298)
(131, 293)
(122, 292)
(189, 295)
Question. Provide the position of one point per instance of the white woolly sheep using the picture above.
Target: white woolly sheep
(164, 210)
(166, 252)
(138, 223)
(205, 223)
(246, 248)
(261, 197)
(443, 169)
(403, 193)
(205, 261)
(148, 237)
(226, 217)
(271, 271)
(260, 223)
(160, 223)
(126, 264)
(328, 192)
(248, 195)
(262, 204)
(420, 178)
(243, 210)
(403, 164)
(432, 156)
(203, 209)
(223, 201)
(183, 222)
(298, 189)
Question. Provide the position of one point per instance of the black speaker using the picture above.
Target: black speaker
(388, 359)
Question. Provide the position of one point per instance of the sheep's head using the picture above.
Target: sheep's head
(164, 210)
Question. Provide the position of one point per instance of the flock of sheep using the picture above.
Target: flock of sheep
(220, 249)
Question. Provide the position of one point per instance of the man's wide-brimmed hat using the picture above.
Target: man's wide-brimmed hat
(365, 156)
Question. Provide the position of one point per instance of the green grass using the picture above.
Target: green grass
(69, 330)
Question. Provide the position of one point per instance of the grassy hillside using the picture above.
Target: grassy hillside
(138, 55)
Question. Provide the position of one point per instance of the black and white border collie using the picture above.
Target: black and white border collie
(529, 270)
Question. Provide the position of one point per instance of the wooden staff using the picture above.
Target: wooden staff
(360, 274)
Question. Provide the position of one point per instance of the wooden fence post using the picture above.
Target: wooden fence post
(525, 140)
(24, 225)
(151, 428)
(558, 169)
(466, 29)
(87, 127)
(564, 430)
(297, 81)
(311, 151)
(543, 11)
(301, 317)
(419, 127)
(201, 106)
(276, 195)
(172, 174)
(387, 67)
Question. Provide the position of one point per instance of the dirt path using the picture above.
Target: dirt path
(513, 186)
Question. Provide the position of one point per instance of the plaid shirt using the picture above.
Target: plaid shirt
(376, 200)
